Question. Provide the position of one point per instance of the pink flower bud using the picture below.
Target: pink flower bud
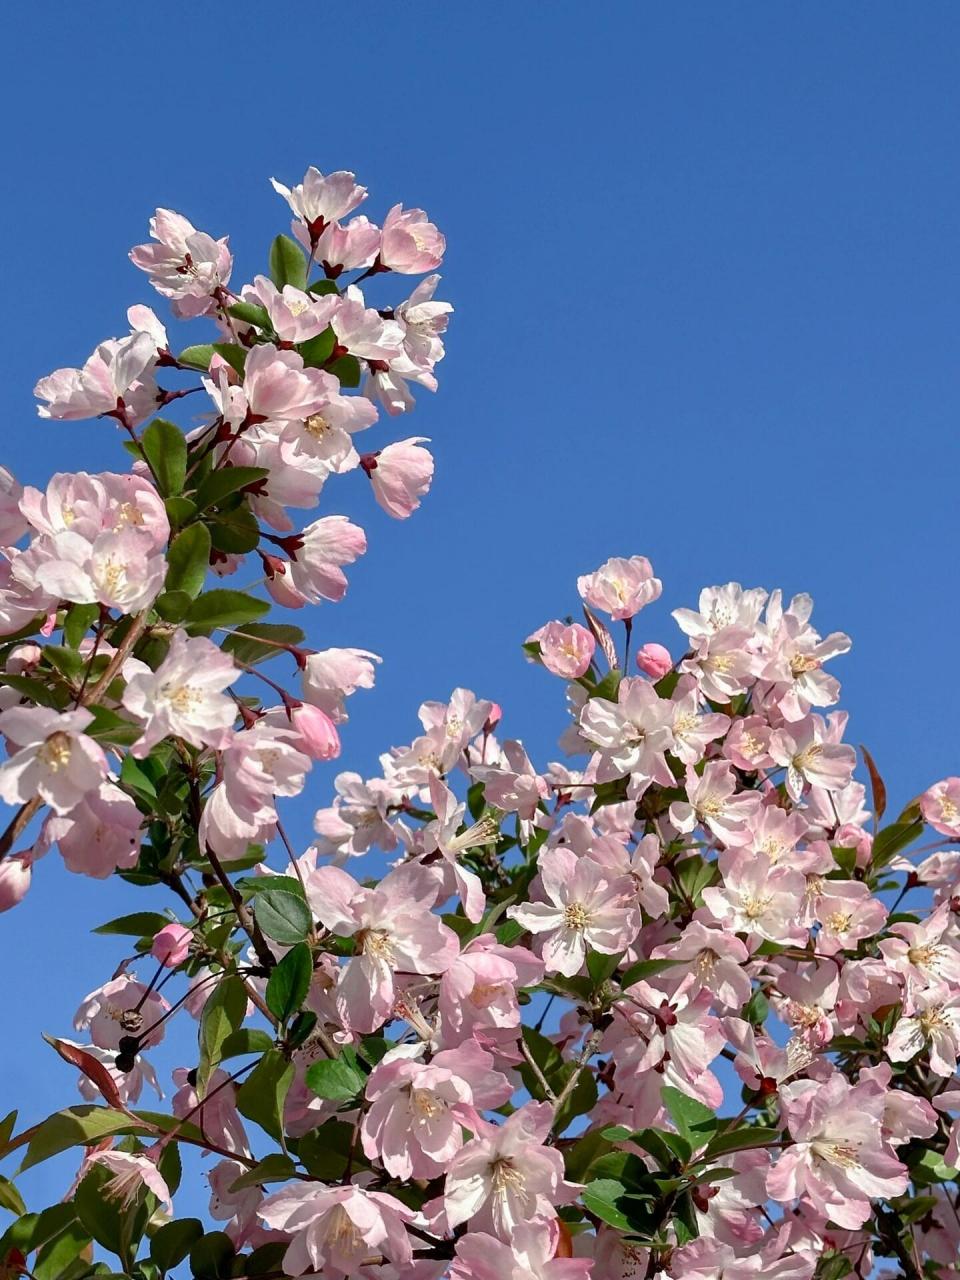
(654, 660)
(172, 945)
(318, 734)
(15, 874)
(494, 718)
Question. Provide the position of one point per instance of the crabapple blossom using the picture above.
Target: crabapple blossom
(54, 759)
(565, 650)
(184, 696)
(940, 806)
(506, 1176)
(335, 1229)
(654, 660)
(322, 199)
(621, 587)
(185, 265)
(400, 475)
(100, 835)
(584, 908)
(410, 243)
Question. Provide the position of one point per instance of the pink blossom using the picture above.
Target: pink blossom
(418, 1111)
(583, 909)
(344, 247)
(713, 800)
(117, 378)
(16, 872)
(396, 932)
(621, 587)
(321, 199)
(277, 385)
(121, 1007)
(810, 758)
(335, 1229)
(56, 761)
(442, 836)
(184, 697)
(478, 992)
(838, 1160)
(718, 958)
(171, 945)
(259, 764)
(564, 650)
(358, 818)
(131, 1175)
(758, 899)
(185, 265)
(400, 474)
(99, 835)
(296, 316)
(411, 243)
(632, 734)
(530, 1255)
(933, 1027)
(12, 523)
(506, 1176)
(315, 567)
(654, 660)
(317, 735)
(215, 1113)
(363, 331)
(332, 675)
(122, 570)
(940, 806)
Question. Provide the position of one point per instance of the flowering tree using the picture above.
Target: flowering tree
(681, 1007)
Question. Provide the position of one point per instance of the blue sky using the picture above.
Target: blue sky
(704, 261)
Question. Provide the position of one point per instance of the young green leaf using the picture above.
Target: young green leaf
(289, 983)
(165, 449)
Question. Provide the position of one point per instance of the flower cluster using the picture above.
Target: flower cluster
(674, 1005)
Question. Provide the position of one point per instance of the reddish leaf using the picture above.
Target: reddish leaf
(91, 1068)
(876, 784)
(603, 638)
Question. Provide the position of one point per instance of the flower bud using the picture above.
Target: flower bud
(654, 660)
(318, 734)
(171, 945)
(15, 874)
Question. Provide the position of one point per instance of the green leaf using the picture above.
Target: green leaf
(222, 1014)
(289, 982)
(57, 1255)
(35, 690)
(250, 313)
(644, 969)
(165, 450)
(665, 1147)
(107, 726)
(283, 916)
(236, 357)
(891, 840)
(135, 779)
(197, 357)
(245, 1040)
(287, 263)
(608, 687)
(173, 1241)
(601, 967)
(317, 351)
(739, 1140)
(221, 483)
(272, 1168)
(235, 531)
(10, 1198)
(67, 661)
(260, 641)
(260, 1098)
(337, 1079)
(695, 1122)
(323, 287)
(222, 608)
(78, 621)
(347, 370)
(180, 510)
(604, 1198)
(211, 1258)
(72, 1127)
(102, 1218)
(188, 560)
(173, 606)
(141, 924)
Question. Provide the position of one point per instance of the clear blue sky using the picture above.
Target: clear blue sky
(704, 260)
